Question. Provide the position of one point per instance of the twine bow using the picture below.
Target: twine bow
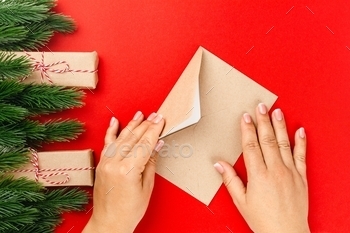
(39, 65)
(55, 171)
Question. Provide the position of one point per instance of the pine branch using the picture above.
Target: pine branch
(12, 12)
(9, 90)
(20, 184)
(11, 34)
(14, 67)
(60, 23)
(38, 34)
(12, 114)
(62, 130)
(43, 224)
(40, 99)
(49, 3)
(33, 133)
(11, 136)
(21, 217)
(29, 25)
(40, 215)
(13, 158)
(63, 200)
(15, 196)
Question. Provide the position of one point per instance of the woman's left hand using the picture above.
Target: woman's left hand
(125, 174)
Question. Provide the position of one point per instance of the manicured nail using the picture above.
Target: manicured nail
(278, 114)
(158, 119)
(159, 145)
(262, 108)
(137, 115)
(152, 116)
(247, 118)
(112, 122)
(302, 132)
(219, 168)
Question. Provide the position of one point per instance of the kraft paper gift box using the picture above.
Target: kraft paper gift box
(71, 69)
(56, 166)
(202, 123)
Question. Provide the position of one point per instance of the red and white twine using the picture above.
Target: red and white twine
(39, 65)
(55, 171)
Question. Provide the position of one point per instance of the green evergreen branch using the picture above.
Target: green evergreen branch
(14, 67)
(11, 136)
(40, 215)
(43, 224)
(11, 34)
(20, 218)
(63, 200)
(9, 90)
(48, 3)
(62, 130)
(29, 25)
(40, 99)
(43, 99)
(20, 184)
(11, 159)
(60, 23)
(33, 133)
(20, 196)
(21, 13)
(11, 113)
(38, 34)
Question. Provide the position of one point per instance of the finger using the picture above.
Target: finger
(126, 144)
(141, 152)
(232, 182)
(150, 168)
(128, 130)
(283, 143)
(112, 130)
(267, 138)
(253, 158)
(299, 153)
(135, 134)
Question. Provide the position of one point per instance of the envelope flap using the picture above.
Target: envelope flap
(181, 107)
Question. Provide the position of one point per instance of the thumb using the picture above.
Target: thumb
(232, 181)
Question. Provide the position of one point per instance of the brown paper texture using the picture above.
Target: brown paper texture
(193, 146)
(63, 159)
(75, 60)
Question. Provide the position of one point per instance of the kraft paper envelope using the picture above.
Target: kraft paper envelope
(203, 113)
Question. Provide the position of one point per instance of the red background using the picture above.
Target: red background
(144, 47)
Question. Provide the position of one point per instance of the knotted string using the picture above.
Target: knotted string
(55, 171)
(39, 65)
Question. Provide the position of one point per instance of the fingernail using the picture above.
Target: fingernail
(219, 168)
(262, 108)
(302, 132)
(247, 118)
(159, 145)
(158, 119)
(278, 114)
(137, 115)
(112, 122)
(152, 116)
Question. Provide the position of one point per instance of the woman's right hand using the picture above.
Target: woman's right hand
(276, 196)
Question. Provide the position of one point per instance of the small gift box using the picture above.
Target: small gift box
(71, 69)
(59, 168)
